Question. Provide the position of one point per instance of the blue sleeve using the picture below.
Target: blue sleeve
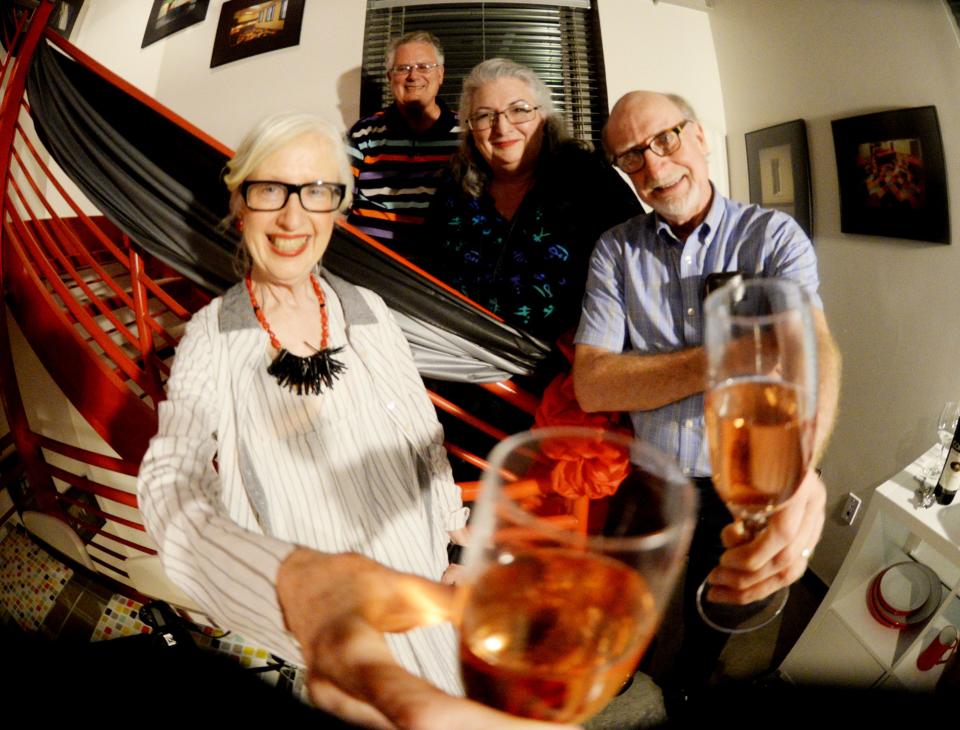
(603, 321)
(792, 256)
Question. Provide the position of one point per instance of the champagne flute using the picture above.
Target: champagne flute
(553, 618)
(760, 409)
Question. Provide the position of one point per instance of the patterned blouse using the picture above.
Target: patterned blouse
(531, 269)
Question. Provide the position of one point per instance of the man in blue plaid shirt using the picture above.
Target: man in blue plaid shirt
(640, 335)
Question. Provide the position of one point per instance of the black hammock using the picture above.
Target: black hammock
(162, 186)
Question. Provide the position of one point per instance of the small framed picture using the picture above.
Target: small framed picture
(892, 176)
(64, 16)
(251, 27)
(169, 16)
(778, 167)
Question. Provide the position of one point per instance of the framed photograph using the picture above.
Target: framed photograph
(64, 16)
(250, 27)
(169, 16)
(778, 167)
(892, 176)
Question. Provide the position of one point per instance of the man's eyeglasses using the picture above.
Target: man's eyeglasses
(270, 195)
(663, 143)
(403, 69)
(516, 114)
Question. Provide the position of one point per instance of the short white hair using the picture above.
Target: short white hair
(275, 132)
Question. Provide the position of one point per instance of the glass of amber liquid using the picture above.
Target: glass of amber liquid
(560, 602)
(760, 407)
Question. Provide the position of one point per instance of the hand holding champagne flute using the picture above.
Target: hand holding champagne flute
(554, 620)
(760, 406)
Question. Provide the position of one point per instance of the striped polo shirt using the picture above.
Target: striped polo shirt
(396, 171)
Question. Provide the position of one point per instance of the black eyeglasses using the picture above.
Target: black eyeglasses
(402, 69)
(663, 143)
(516, 114)
(270, 195)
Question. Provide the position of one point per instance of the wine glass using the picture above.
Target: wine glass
(760, 408)
(554, 618)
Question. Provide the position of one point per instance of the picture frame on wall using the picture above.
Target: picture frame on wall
(169, 16)
(251, 27)
(778, 169)
(892, 175)
(64, 16)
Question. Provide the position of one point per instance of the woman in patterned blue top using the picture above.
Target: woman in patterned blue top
(516, 218)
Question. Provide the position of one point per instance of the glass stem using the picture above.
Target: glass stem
(753, 525)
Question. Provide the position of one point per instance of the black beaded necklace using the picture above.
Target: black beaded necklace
(301, 375)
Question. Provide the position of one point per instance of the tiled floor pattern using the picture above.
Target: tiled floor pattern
(30, 581)
(41, 594)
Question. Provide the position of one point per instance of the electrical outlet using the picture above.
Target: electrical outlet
(850, 509)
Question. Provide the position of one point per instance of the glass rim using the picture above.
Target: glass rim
(653, 460)
(719, 300)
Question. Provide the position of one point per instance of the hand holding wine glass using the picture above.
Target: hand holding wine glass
(554, 620)
(760, 409)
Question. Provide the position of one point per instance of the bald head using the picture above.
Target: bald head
(634, 102)
(675, 184)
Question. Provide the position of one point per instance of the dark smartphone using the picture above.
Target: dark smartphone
(718, 278)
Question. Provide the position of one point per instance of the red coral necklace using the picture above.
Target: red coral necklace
(302, 375)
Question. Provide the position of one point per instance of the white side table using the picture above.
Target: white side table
(843, 643)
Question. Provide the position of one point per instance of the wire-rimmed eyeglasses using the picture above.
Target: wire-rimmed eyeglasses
(270, 195)
(515, 114)
(402, 69)
(663, 143)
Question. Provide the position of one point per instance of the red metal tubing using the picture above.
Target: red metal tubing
(54, 250)
(109, 245)
(471, 459)
(14, 92)
(118, 255)
(87, 485)
(141, 312)
(90, 457)
(512, 394)
(455, 410)
(110, 348)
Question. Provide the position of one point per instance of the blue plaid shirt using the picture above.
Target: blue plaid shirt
(644, 295)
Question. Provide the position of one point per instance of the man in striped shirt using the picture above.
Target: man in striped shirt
(399, 152)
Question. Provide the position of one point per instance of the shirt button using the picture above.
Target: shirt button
(690, 311)
(689, 259)
(688, 423)
(391, 405)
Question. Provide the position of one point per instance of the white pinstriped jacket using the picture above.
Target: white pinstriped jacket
(211, 524)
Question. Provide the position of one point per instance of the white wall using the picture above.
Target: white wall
(660, 47)
(891, 303)
(320, 75)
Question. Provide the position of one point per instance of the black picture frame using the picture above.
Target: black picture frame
(892, 175)
(169, 16)
(64, 16)
(251, 27)
(778, 168)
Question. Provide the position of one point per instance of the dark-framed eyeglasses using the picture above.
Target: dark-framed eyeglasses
(270, 195)
(663, 143)
(516, 114)
(402, 69)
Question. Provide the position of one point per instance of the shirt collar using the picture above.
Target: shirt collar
(236, 313)
(707, 228)
(446, 122)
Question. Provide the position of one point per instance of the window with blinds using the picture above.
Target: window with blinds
(559, 40)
